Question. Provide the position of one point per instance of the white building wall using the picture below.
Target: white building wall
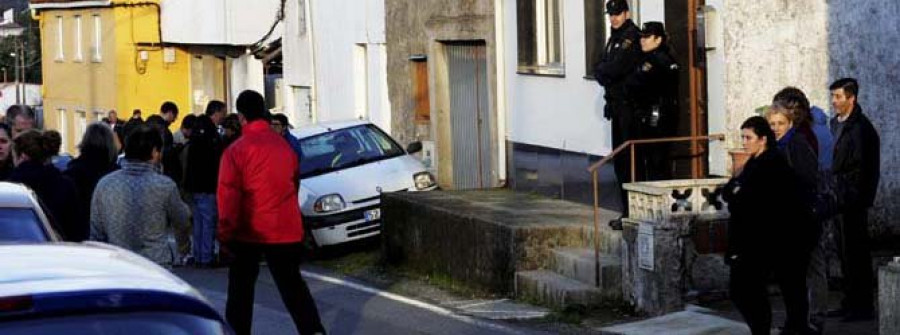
(341, 28)
(233, 22)
(717, 122)
(564, 113)
(245, 73)
(297, 60)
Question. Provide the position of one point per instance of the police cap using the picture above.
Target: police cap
(616, 7)
(653, 28)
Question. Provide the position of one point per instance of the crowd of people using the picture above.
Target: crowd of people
(209, 184)
(807, 185)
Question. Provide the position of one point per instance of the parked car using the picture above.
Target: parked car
(95, 288)
(22, 218)
(345, 166)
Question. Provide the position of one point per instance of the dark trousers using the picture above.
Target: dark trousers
(654, 157)
(284, 264)
(749, 292)
(856, 260)
(623, 129)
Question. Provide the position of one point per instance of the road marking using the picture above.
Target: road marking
(481, 303)
(412, 302)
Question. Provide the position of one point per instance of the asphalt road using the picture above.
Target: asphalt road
(345, 307)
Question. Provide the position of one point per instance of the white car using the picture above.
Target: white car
(22, 218)
(344, 168)
(96, 288)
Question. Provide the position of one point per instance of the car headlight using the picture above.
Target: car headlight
(423, 180)
(329, 203)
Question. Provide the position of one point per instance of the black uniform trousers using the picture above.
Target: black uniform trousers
(856, 260)
(750, 294)
(624, 128)
(284, 264)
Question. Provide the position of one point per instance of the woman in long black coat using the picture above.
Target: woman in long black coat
(97, 158)
(765, 234)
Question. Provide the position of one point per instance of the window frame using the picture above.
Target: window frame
(541, 37)
(60, 39)
(97, 45)
(63, 124)
(79, 36)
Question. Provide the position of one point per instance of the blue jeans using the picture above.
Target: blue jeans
(205, 218)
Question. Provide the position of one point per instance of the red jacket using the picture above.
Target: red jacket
(257, 193)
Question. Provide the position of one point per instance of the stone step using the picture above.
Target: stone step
(579, 264)
(554, 290)
(610, 240)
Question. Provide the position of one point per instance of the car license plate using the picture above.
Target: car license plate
(373, 214)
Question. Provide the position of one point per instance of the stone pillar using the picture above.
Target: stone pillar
(889, 298)
(659, 249)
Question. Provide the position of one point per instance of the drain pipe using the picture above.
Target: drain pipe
(500, 56)
(313, 90)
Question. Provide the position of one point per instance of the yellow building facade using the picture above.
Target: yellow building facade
(102, 56)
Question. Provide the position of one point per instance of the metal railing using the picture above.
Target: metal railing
(593, 169)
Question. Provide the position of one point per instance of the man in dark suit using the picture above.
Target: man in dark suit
(856, 168)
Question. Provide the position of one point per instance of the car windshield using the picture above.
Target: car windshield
(345, 148)
(146, 323)
(21, 225)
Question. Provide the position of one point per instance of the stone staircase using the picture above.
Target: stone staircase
(570, 278)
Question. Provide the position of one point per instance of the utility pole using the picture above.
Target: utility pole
(24, 80)
(16, 70)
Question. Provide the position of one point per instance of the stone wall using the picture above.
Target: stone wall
(770, 44)
(411, 27)
(889, 298)
(862, 41)
(481, 238)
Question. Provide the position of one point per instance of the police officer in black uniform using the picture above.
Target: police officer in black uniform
(621, 55)
(653, 88)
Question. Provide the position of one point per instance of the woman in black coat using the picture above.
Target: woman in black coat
(97, 158)
(763, 233)
(6, 159)
(31, 154)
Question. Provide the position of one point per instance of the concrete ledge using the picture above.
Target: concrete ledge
(889, 298)
(481, 238)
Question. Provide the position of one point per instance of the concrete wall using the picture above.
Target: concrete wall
(862, 41)
(770, 44)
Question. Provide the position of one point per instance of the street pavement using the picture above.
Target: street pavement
(346, 307)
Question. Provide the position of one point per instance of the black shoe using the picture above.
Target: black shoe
(616, 224)
(857, 316)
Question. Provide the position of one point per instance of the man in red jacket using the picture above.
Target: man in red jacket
(259, 216)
